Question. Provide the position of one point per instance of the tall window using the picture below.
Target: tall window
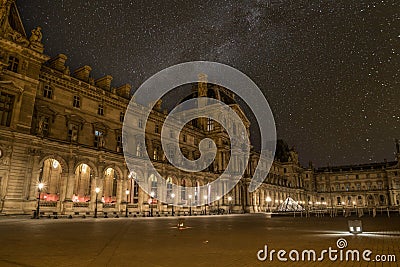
(183, 190)
(210, 124)
(135, 192)
(169, 187)
(77, 102)
(13, 63)
(98, 139)
(156, 153)
(140, 123)
(100, 110)
(153, 185)
(6, 107)
(44, 126)
(157, 129)
(119, 143)
(73, 132)
(47, 91)
(121, 116)
(139, 150)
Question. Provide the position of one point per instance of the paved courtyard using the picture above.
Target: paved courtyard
(206, 241)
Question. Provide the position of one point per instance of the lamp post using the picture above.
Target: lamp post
(190, 205)
(151, 203)
(218, 204)
(40, 188)
(172, 196)
(230, 202)
(205, 205)
(268, 199)
(126, 206)
(97, 190)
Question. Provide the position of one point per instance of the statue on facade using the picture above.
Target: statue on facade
(37, 35)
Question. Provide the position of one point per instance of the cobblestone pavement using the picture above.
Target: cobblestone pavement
(206, 241)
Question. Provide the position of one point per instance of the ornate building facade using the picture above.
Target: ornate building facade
(64, 129)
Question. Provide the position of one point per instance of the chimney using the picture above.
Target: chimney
(83, 73)
(58, 62)
(104, 82)
(124, 91)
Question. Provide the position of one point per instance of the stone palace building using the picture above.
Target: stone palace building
(64, 128)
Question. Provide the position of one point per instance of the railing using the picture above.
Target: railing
(48, 203)
(109, 205)
(81, 204)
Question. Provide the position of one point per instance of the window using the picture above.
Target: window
(210, 124)
(77, 102)
(171, 153)
(153, 185)
(139, 150)
(169, 187)
(73, 133)
(100, 110)
(47, 91)
(13, 63)
(98, 139)
(156, 153)
(140, 123)
(121, 116)
(184, 137)
(44, 126)
(157, 129)
(6, 108)
(119, 143)
(358, 186)
(183, 190)
(135, 192)
(171, 134)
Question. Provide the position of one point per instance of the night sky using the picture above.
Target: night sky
(329, 69)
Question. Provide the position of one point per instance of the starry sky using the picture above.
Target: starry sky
(329, 69)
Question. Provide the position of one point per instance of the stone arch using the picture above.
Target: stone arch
(61, 160)
(90, 164)
(115, 168)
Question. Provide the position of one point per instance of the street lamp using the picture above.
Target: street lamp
(218, 197)
(172, 196)
(190, 205)
(268, 199)
(40, 188)
(151, 203)
(205, 205)
(97, 190)
(126, 206)
(229, 200)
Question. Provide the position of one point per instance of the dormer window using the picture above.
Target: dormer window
(13, 63)
(48, 91)
(76, 102)
(100, 110)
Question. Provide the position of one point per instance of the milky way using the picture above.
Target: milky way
(329, 69)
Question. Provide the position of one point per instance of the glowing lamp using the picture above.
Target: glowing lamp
(355, 227)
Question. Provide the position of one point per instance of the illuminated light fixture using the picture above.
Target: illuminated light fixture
(109, 170)
(181, 223)
(55, 164)
(229, 198)
(268, 199)
(84, 168)
(355, 227)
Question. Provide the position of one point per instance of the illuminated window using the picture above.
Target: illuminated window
(210, 125)
(98, 139)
